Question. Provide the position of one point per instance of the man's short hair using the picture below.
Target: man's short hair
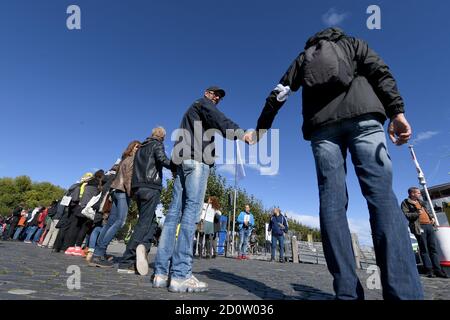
(410, 190)
(158, 132)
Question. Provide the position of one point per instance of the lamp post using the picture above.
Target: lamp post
(423, 183)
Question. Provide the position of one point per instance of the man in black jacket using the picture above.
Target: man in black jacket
(348, 92)
(422, 226)
(194, 155)
(146, 185)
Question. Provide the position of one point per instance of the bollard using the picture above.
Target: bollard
(294, 246)
(356, 251)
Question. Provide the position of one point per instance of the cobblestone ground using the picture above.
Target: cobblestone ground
(30, 272)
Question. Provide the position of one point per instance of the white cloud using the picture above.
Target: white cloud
(333, 18)
(360, 227)
(307, 220)
(422, 136)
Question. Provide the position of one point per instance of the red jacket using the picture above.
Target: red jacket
(41, 219)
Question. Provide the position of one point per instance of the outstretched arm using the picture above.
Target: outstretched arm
(277, 97)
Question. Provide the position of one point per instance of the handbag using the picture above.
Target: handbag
(88, 211)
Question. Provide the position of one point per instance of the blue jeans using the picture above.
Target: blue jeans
(365, 139)
(428, 248)
(116, 221)
(17, 233)
(244, 235)
(30, 232)
(280, 240)
(38, 234)
(187, 200)
(94, 237)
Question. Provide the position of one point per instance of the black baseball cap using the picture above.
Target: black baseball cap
(217, 90)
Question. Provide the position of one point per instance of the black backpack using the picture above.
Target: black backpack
(325, 65)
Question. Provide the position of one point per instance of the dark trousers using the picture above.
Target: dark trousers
(428, 248)
(12, 227)
(79, 226)
(64, 226)
(59, 242)
(198, 243)
(147, 201)
(208, 244)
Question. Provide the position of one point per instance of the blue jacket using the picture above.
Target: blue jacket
(240, 220)
(276, 223)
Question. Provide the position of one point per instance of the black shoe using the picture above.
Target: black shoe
(208, 257)
(214, 256)
(441, 274)
(281, 261)
(430, 274)
(100, 262)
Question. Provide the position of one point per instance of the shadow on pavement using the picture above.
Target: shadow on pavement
(310, 293)
(262, 290)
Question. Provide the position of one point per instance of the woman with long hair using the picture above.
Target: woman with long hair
(120, 193)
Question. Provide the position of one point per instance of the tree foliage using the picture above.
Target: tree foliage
(21, 190)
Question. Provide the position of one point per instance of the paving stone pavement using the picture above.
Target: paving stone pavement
(30, 272)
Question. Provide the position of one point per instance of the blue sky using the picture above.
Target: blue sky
(72, 100)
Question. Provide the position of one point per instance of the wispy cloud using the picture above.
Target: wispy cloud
(307, 220)
(333, 18)
(360, 227)
(422, 136)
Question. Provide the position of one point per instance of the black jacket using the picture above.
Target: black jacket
(412, 215)
(17, 212)
(53, 210)
(74, 192)
(373, 90)
(201, 116)
(148, 163)
(91, 189)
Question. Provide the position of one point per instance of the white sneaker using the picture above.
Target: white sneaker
(141, 260)
(160, 281)
(191, 284)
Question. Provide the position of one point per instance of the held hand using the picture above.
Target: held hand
(248, 137)
(399, 130)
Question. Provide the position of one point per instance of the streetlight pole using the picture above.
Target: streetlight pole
(423, 183)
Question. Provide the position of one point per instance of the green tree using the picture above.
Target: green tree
(21, 190)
